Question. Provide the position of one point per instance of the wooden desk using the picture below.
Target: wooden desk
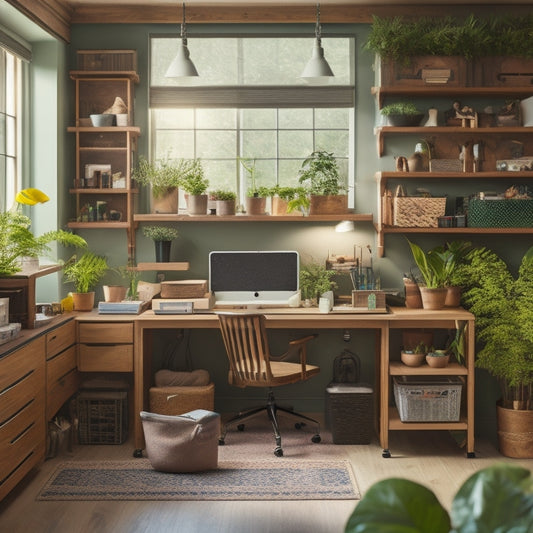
(311, 318)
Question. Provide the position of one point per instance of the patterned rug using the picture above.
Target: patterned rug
(233, 480)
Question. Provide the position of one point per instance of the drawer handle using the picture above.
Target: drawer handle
(53, 338)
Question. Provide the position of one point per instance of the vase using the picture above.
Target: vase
(437, 361)
(433, 298)
(453, 296)
(162, 251)
(432, 119)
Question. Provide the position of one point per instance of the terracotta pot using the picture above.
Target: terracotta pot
(412, 359)
(453, 296)
(83, 301)
(255, 205)
(433, 298)
(437, 361)
(225, 207)
(197, 204)
(515, 432)
(413, 299)
(114, 293)
(165, 204)
(328, 205)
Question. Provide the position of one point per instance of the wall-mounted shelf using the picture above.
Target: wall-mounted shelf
(169, 217)
(143, 267)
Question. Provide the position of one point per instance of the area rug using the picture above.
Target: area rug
(233, 480)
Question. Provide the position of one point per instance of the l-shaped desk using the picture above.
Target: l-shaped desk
(311, 318)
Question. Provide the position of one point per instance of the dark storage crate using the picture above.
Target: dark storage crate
(103, 417)
(350, 412)
(504, 213)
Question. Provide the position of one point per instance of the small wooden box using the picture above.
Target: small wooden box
(187, 288)
(107, 60)
(360, 299)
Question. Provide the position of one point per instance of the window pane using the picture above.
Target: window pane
(258, 118)
(331, 118)
(295, 144)
(332, 141)
(296, 118)
(215, 119)
(222, 174)
(174, 118)
(259, 144)
(174, 144)
(215, 144)
(288, 172)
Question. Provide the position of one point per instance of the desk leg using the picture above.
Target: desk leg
(142, 356)
(470, 388)
(384, 391)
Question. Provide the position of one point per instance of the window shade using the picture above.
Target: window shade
(15, 46)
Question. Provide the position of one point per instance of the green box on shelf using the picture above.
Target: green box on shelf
(504, 213)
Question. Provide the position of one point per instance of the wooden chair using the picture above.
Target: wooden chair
(252, 365)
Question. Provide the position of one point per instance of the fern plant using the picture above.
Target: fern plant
(315, 280)
(86, 271)
(503, 307)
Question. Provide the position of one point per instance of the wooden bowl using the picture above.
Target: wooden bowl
(412, 359)
(438, 361)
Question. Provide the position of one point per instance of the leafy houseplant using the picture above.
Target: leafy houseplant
(496, 498)
(286, 200)
(195, 184)
(85, 272)
(225, 201)
(163, 177)
(320, 175)
(162, 237)
(17, 240)
(315, 280)
(255, 195)
(503, 307)
(402, 114)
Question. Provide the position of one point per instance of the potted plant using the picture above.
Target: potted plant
(255, 195)
(17, 241)
(85, 272)
(416, 356)
(281, 198)
(162, 237)
(117, 293)
(224, 201)
(432, 266)
(402, 114)
(438, 358)
(195, 184)
(503, 306)
(315, 280)
(496, 498)
(321, 177)
(163, 177)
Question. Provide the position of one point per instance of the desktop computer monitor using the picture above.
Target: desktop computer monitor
(254, 278)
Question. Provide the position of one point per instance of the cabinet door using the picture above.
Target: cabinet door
(105, 358)
(60, 338)
(61, 380)
(105, 332)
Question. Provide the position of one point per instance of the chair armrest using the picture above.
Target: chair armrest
(296, 347)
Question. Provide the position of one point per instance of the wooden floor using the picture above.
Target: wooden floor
(431, 458)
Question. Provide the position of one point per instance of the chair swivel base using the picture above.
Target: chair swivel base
(271, 409)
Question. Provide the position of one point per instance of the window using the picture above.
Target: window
(249, 102)
(13, 70)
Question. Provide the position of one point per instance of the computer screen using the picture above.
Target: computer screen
(253, 278)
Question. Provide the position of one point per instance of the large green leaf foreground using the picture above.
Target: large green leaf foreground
(496, 499)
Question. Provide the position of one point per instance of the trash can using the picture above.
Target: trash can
(350, 412)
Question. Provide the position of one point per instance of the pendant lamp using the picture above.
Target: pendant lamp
(317, 67)
(182, 66)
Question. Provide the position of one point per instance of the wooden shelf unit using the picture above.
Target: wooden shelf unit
(170, 217)
(113, 146)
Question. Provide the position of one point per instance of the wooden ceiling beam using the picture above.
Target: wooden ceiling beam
(54, 16)
(271, 13)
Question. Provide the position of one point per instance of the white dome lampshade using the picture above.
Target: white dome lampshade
(317, 66)
(182, 65)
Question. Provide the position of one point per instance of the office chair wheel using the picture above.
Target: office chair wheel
(386, 454)
(240, 427)
(299, 425)
(137, 453)
(316, 439)
(278, 452)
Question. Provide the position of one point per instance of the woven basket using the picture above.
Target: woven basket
(417, 212)
(179, 400)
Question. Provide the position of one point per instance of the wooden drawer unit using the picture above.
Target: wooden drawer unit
(22, 413)
(105, 347)
(62, 380)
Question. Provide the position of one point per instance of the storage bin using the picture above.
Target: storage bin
(179, 400)
(504, 213)
(428, 399)
(350, 412)
(102, 416)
